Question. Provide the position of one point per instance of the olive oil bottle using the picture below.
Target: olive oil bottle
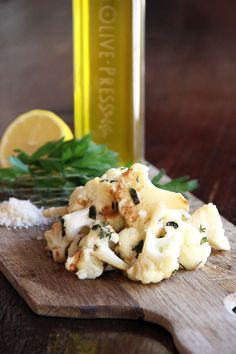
(109, 72)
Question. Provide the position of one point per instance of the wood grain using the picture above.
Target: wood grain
(22, 331)
(190, 305)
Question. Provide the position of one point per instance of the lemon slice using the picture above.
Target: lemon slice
(31, 130)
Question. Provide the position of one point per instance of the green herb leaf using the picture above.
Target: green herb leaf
(60, 165)
(204, 240)
(138, 248)
(92, 212)
(202, 229)
(105, 230)
(14, 161)
(134, 196)
(173, 224)
(114, 206)
(180, 185)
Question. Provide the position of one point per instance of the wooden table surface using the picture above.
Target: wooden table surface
(190, 129)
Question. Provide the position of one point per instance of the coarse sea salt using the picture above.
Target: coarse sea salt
(16, 213)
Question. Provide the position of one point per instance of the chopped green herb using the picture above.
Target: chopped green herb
(105, 230)
(173, 224)
(63, 231)
(138, 248)
(134, 196)
(96, 227)
(181, 184)
(202, 229)
(92, 212)
(114, 206)
(204, 240)
(51, 173)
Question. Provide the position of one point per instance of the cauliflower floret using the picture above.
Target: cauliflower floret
(158, 260)
(102, 239)
(55, 212)
(99, 193)
(130, 240)
(87, 265)
(136, 193)
(160, 255)
(100, 242)
(207, 218)
(176, 216)
(194, 248)
(113, 174)
(75, 222)
(57, 243)
(78, 199)
(156, 233)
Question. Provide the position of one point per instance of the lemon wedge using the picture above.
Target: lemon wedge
(31, 130)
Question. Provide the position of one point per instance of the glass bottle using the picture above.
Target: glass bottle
(109, 73)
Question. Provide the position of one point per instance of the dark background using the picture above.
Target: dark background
(190, 82)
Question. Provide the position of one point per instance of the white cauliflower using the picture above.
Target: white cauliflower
(85, 263)
(130, 242)
(158, 260)
(135, 193)
(208, 221)
(195, 248)
(78, 199)
(113, 174)
(55, 211)
(100, 242)
(156, 233)
(77, 222)
(160, 255)
(57, 243)
(99, 193)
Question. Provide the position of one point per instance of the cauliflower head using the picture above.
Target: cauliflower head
(96, 248)
(57, 242)
(86, 265)
(160, 254)
(195, 248)
(100, 194)
(121, 220)
(130, 241)
(77, 222)
(207, 219)
(138, 198)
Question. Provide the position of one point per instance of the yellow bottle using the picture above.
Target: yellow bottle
(108, 73)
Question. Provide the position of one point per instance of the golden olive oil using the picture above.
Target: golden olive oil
(108, 73)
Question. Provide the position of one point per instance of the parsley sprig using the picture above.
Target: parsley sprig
(180, 184)
(50, 174)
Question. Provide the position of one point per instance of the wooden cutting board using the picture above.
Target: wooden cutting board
(196, 307)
